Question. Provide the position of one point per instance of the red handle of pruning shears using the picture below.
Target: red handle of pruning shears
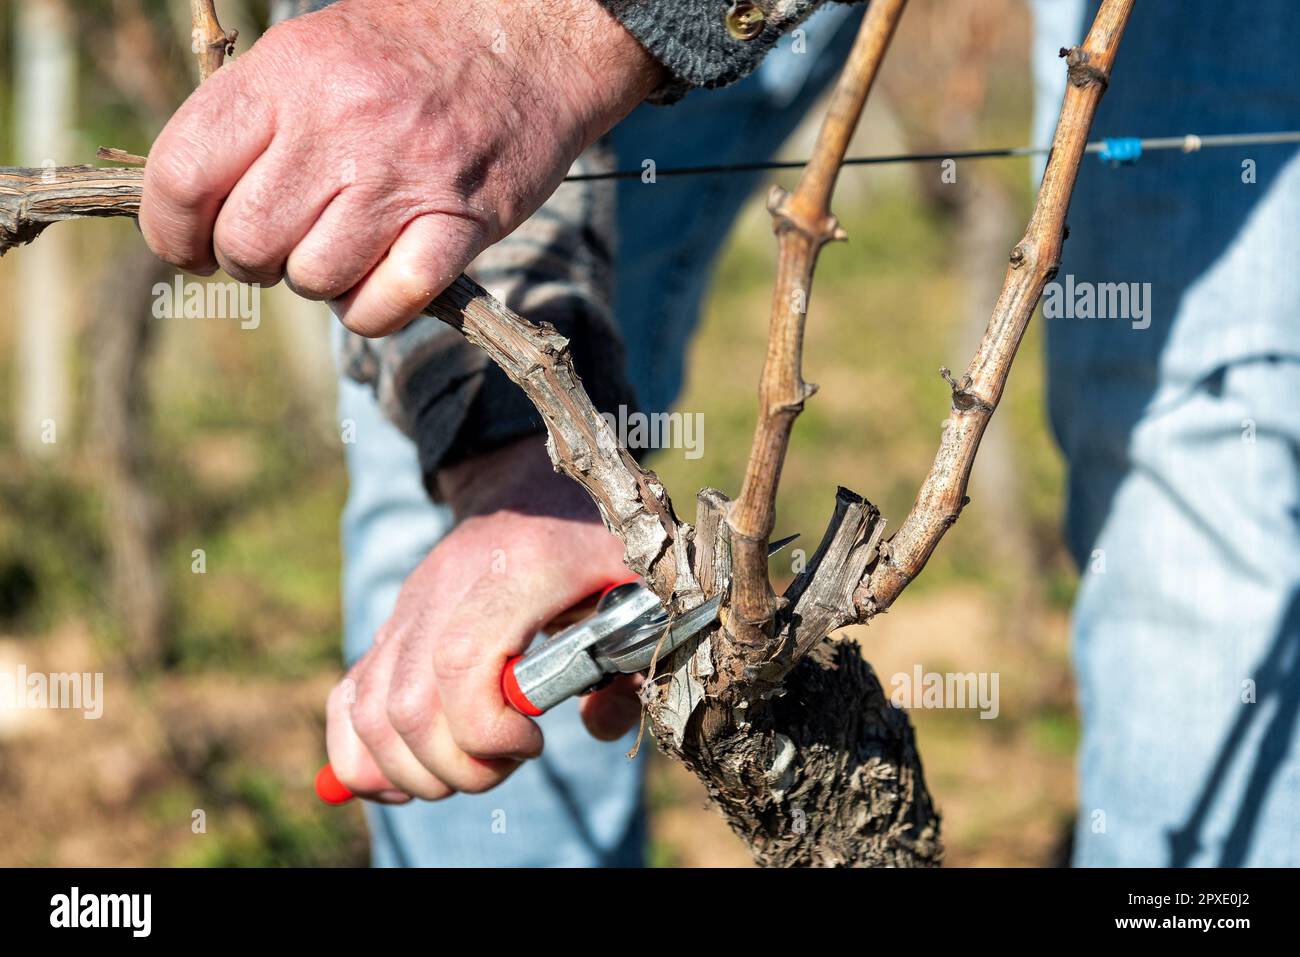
(333, 791)
(330, 789)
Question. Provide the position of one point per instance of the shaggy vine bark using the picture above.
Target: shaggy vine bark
(789, 730)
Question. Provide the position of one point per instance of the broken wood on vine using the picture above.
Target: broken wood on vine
(789, 729)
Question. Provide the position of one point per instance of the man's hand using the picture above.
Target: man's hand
(370, 151)
(422, 714)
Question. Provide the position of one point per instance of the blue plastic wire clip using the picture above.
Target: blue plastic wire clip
(1121, 150)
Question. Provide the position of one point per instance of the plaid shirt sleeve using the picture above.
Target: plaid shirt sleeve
(556, 267)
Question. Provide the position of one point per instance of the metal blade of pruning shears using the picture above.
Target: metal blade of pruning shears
(622, 637)
(630, 653)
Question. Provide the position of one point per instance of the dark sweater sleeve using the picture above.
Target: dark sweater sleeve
(708, 43)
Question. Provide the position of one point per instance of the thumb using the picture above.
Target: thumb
(614, 710)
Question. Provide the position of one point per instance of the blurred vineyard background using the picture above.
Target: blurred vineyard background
(182, 441)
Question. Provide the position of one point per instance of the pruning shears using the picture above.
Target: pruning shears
(628, 630)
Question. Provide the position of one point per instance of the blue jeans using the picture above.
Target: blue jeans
(580, 803)
(1183, 443)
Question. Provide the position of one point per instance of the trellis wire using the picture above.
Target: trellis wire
(1189, 143)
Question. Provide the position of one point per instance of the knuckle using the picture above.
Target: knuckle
(245, 255)
(456, 653)
(315, 280)
(174, 176)
(370, 720)
(410, 708)
(355, 86)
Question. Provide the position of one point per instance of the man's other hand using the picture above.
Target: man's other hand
(422, 713)
(371, 150)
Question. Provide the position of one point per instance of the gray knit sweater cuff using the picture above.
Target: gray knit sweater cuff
(708, 43)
